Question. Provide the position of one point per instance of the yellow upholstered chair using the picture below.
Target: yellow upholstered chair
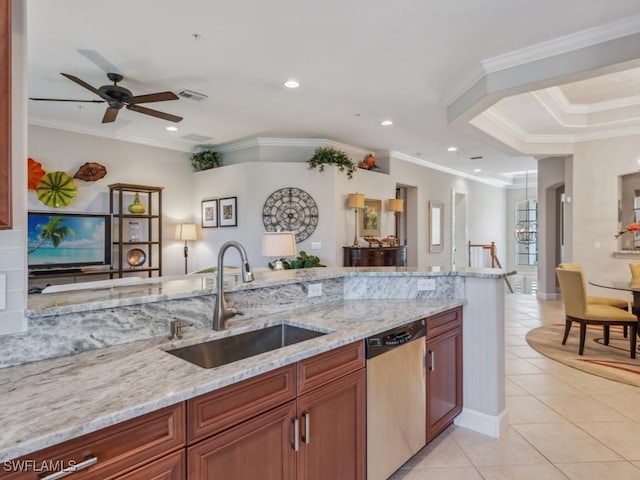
(576, 309)
(612, 301)
(635, 271)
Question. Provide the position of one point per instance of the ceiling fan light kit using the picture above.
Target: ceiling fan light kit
(117, 96)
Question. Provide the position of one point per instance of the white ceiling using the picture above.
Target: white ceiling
(359, 62)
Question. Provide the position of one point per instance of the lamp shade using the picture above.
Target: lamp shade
(187, 231)
(278, 244)
(355, 200)
(396, 205)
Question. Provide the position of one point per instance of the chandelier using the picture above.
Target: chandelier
(526, 231)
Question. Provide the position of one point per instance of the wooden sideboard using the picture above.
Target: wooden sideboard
(375, 256)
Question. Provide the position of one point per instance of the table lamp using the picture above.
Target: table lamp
(396, 205)
(186, 232)
(355, 201)
(278, 245)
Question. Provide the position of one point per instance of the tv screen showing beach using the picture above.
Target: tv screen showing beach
(58, 240)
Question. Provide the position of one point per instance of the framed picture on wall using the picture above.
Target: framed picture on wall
(228, 212)
(436, 226)
(370, 218)
(209, 213)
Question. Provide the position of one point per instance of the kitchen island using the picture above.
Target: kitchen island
(62, 397)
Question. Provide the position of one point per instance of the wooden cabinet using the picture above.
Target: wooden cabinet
(259, 429)
(112, 452)
(137, 237)
(444, 370)
(332, 427)
(261, 447)
(375, 256)
(5, 114)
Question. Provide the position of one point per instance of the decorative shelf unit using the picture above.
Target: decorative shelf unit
(146, 246)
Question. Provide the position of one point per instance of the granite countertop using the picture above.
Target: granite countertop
(159, 289)
(48, 402)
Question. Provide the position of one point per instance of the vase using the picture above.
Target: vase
(136, 207)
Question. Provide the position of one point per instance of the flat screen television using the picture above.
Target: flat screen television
(57, 240)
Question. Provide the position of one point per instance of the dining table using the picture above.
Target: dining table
(632, 286)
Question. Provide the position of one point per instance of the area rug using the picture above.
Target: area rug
(609, 361)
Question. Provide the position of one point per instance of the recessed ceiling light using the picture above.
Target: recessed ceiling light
(386, 123)
(292, 83)
(477, 170)
(172, 128)
(452, 149)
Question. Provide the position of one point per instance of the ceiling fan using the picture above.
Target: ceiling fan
(118, 97)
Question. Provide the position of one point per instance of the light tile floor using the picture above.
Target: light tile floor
(564, 423)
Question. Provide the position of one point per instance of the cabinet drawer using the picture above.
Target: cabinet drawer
(118, 449)
(323, 368)
(442, 322)
(216, 411)
(171, 467)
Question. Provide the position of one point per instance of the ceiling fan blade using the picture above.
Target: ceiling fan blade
(110, 115)
(85, 85)
(154, 97)
(154, 113)
(65, 100)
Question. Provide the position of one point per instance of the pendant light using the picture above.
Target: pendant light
(526, 230)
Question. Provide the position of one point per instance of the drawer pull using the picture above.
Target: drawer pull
(296, 435)
(307, 422)
(72, 469)
(433, 360)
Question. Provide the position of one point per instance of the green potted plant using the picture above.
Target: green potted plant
(302, 261)
(331, 156)
(205, 159)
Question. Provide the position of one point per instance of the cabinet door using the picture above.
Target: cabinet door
(260, 448)
(333, 430)
(444, 380)
(171, 467)
(5, 114)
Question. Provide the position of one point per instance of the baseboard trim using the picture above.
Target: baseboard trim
(547, 296)
(491, 425)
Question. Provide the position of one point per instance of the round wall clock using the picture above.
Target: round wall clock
(290, 210)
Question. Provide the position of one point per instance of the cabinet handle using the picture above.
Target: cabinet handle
(72, 469)
(296, 435)
(432, 356)
(307, 422)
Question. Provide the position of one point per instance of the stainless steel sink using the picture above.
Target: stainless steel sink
(222, 351)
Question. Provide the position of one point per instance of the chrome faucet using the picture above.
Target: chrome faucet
(221, 312)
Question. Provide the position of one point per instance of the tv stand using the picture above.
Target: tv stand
(54, 276)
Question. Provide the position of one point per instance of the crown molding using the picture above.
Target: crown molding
(560, 45)
(434, 166)
(288, 142)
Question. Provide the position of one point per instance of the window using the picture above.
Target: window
(526, 233)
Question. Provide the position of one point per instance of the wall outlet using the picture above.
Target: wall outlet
(316, 245)
(3, 291)
(426, 284)
(314, 290)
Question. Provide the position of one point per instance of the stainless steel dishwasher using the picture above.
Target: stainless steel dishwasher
(396, 398)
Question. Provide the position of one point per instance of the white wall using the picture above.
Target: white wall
(597, 166)
(125, 163)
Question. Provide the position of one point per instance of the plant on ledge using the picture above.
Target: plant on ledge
(303, 261)
(205, 159)
(331, 156)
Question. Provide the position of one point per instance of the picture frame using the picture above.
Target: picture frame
(228, 212)
(370, 218)
(436, 226)
(209, 213)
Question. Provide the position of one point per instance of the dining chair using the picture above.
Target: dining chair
(594, 300)
(576, 308)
